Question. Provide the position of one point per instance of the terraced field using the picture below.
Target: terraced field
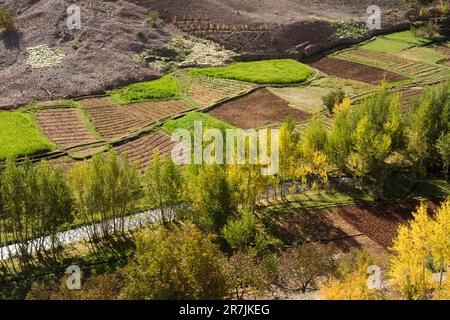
(64, 127)
(113, 121)
(408, 95)
(141, 150)
(207, 90)
(445, 49)
(408, 68)
(355, 71)
(258, 109)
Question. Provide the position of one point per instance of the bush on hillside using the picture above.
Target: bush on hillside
(333, 98)
(7, 19)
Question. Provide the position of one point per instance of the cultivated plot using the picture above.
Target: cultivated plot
(113, 121)
(20, 136)
(64, 127)
(258, 109)
(207, 90)
(141, 150)
(408, 68)
(355, 71)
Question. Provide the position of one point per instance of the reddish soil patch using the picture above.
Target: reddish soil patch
(258, 109)
(113, 121)
(379, 221)
(64, 127)
(203, 95)
(369, 226)
(355, 71)
(141, 150)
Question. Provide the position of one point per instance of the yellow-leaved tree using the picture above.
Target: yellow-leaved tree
(352, 281)
(440, 249)
(422, 248)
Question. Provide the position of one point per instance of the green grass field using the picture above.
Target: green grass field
(261, 72)
(387, 45)
(163, 88)
(187, 122)
(407, 36)
(20, 136)
(395, 42)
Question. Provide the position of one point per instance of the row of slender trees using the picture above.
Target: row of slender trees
(373, 138)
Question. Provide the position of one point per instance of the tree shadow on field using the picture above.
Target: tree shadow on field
(11, 39)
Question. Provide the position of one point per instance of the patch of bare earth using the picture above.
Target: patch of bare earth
(99, 56)
(64, 127)
(264, 28)
(355, 71)
(369, 226)
(379, 221)
(258, 109)
(203, 95)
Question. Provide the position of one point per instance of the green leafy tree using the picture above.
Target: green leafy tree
(163, 187)
(332, 99)
(35, 203)
(240, 233)
(209, 195)
(339, 144)
(429, 121)
(363, 139)
(300, 267)
(105, 190)
(175, 264)
(443, 147)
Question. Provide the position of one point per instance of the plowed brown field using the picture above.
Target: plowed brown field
(355, 71)
(141, 150)
(64, 127)
(258, 109)
(113, 121)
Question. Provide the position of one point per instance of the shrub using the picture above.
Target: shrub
(333, 98)
(7, 19)
(182, 263)
(140, 34)
(153, 18)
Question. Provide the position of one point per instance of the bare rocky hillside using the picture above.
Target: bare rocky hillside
(100, 55)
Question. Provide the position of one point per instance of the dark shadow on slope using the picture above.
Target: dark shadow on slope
(11, 39)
